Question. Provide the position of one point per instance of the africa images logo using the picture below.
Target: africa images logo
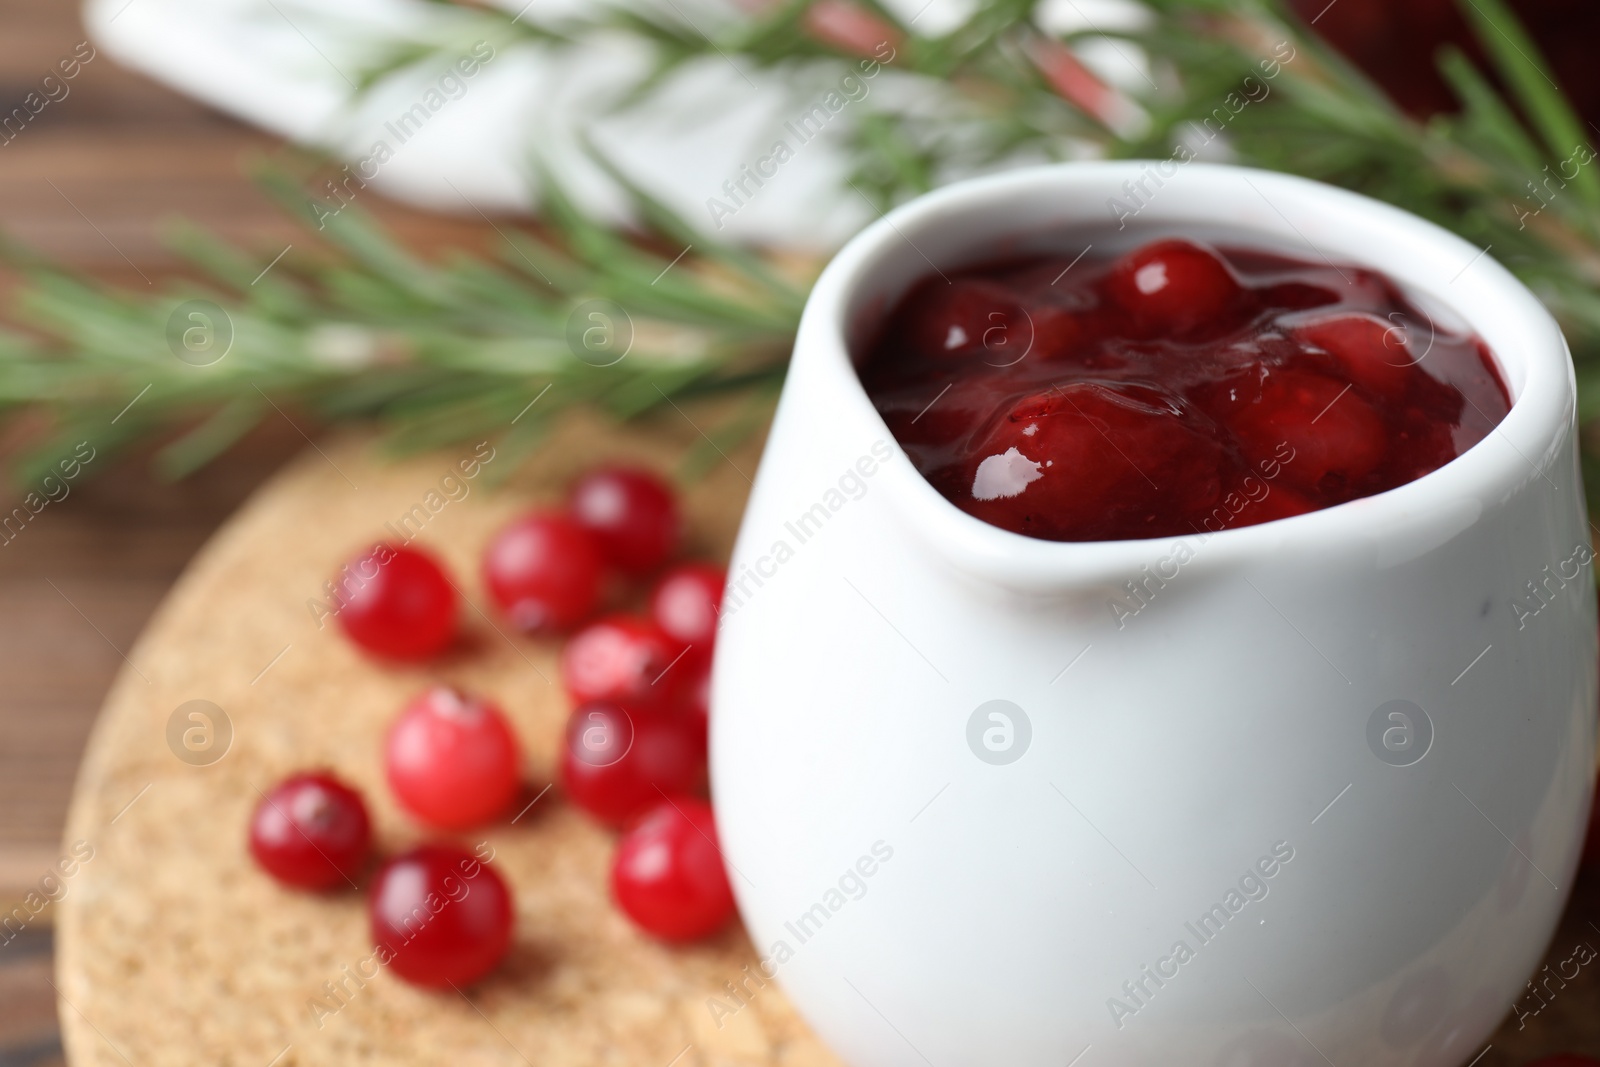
(999, 732)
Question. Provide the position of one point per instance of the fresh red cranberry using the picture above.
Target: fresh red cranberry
(1372, 353)
(452, 760)
(1090, 461)
(668, 875)
(632, 514)
(398, 603)
(687, 603)
(1320, 429)
(1173, 286)
(544, 570)
(311, 832)
(440, 916)
(626, 660)
(614, 765)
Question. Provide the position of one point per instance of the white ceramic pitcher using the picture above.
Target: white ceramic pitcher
(1319, 800)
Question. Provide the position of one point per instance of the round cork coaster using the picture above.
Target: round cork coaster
(175, 949)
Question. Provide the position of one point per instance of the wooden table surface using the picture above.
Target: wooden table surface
(89, 183)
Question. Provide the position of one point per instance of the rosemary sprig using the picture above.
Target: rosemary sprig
(438, 351)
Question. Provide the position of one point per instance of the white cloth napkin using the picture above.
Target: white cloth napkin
(460, 140)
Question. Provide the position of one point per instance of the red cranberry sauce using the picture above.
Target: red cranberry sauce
(1175, 388)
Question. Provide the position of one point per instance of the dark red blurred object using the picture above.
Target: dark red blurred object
(632, 514)
(440, 916)
(624, 659)
(1395, 42)
(398, 603)
(668, 874)
(545, 572)
(687, 605)
(616, 765)
(311, 832)
(452, 759)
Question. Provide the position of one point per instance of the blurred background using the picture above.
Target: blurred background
(90, 185)
(94, 180)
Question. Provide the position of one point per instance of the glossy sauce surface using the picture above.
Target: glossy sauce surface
(1174, 388)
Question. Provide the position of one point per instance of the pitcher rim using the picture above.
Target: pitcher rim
(1537, 369)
